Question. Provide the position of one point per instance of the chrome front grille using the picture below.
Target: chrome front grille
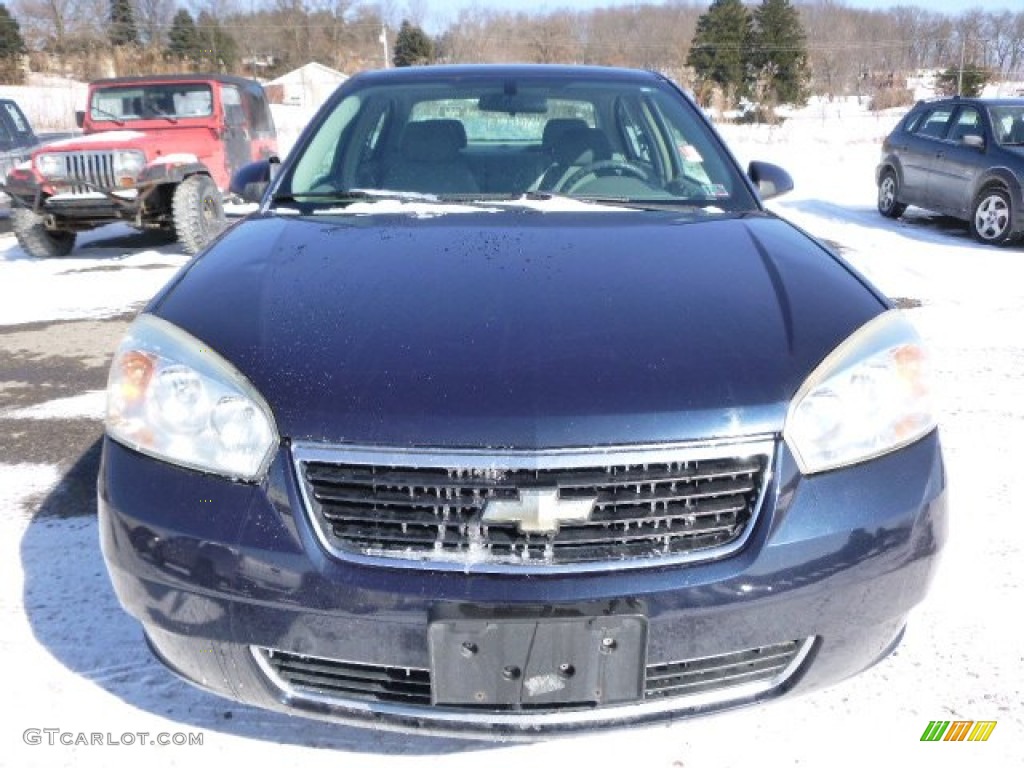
(645, 504)
(94, 167)
(720, 678)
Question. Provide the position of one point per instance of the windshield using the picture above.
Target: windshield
(147, 102)
(1008, 124)
(488, 138)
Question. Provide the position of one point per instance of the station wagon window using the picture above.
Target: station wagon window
(483, 127)
(1008, 124)
(968, 122)
(934, 123)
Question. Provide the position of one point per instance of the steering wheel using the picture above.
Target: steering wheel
(601, 168)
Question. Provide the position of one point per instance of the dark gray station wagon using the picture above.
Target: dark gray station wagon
(512, 411)
(960, 157)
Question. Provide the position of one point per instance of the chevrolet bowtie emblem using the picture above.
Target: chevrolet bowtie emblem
(537, 510)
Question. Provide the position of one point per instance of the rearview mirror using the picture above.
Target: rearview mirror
(79, 118)
(771, 180)
(513, 103)
(973, 140)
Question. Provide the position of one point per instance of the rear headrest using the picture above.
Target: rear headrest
(581, 146)
(557, 127)
(433, 140)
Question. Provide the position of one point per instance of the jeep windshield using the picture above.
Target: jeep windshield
(465, 139)
(170, 101)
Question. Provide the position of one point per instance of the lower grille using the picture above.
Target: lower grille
(682, 678)
(759, 669)
(367, 682)
(513, 509)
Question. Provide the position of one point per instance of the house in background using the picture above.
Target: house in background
(308, 86)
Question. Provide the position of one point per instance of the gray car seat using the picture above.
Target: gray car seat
(430, 159)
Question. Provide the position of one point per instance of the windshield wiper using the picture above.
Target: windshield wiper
(157, 112)
(343, 197)
(117, 120)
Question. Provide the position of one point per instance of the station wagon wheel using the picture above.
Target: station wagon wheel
(198, 212)
(35, 239)
(990, 220)
(888, 190)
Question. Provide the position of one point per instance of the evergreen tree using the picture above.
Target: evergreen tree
(719, 53)
(122, 23)
(215, 44)
(970, 83)
(779, 53)
(12, 48)
(412, 46)
(183, 38)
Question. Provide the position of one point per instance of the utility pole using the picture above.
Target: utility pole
(960, 79)
(384, 42)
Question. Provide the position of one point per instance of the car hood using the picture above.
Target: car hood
(520, 329)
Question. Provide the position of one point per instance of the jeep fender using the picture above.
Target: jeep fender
(1006, 178)
(172, 169)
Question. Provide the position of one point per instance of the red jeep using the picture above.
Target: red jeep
(156, 153)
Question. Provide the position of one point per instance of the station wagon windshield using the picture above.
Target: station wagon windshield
(488, 139)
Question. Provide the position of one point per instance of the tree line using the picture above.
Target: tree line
(780, 51)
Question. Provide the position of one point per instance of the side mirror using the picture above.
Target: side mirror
(771, 180)
(79, 118)
(251, 180)
(973, 140)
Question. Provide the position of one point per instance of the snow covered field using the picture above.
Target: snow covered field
(75, 662)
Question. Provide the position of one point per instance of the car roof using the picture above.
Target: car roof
(985, 101)
(198, 77)
(461, 71)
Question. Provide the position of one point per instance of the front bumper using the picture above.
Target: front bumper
(223, 576)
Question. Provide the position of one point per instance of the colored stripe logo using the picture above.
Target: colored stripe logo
(958, 730)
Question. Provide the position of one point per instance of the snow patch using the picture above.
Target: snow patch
(88, 405)
(96, 138)
(180, 157)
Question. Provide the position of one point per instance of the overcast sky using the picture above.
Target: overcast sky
(442, 12)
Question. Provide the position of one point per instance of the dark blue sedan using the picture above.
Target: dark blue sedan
(511, 412)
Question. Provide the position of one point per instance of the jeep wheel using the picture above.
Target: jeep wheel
(198, 212)
(990, 216)
(888, 189)
(36, 240)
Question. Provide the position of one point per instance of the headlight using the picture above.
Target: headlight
(171, 397)
(129, 162)
(51, 166)
(869, 397)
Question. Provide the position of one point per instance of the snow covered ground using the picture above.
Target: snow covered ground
(75, 662)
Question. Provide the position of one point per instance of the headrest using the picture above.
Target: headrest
(557, 127)
(433, 140)
(582, 146)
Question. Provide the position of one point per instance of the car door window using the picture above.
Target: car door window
(968, 122)
(934, 124)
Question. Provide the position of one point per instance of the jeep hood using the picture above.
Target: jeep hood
(521, 329)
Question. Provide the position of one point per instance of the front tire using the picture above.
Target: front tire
(198, 212)
(888, 191)
(35, 239)
(990, 217)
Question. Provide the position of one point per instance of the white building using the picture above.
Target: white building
(308, 86)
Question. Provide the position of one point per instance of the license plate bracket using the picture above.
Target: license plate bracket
(529, 662)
